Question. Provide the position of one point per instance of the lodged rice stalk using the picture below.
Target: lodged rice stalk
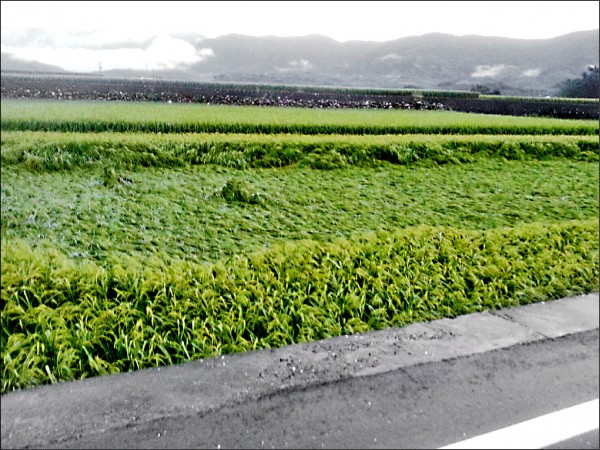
(63, 320)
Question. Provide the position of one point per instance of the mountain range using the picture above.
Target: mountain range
(431, 61)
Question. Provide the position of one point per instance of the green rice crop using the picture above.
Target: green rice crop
(123, 250)
(189, 213)
(87, 116)
(48, 151)
(62, 320)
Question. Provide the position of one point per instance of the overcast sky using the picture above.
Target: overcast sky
(78, 35)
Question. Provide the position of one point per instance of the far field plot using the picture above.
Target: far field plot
(145, 234)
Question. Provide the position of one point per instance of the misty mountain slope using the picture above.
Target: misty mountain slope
(10, 62)
(430, 61)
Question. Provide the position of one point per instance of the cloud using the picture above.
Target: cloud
(27, 37)
(301, 64)
(170, 52)
(296, 65)
(531, 73)
(390, 56)
(487, 71)
(163, 52)
(91, 39)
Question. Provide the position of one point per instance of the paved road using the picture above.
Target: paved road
(420, 386)
(590, 440)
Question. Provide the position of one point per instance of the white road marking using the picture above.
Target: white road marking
(539, 432)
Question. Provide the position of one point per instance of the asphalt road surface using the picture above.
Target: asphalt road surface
(586, 440)
(422, 386)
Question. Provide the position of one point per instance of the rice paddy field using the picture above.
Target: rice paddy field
(145, 234)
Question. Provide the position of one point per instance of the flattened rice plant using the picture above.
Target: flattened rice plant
(63, 321)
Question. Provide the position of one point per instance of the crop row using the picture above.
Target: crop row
(48, 151)
(93, 88)
(199, 118)
(62, 321)
(539, 99)
(206, 127)
(299, 128)
(232, 88)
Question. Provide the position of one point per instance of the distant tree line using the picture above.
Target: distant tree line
(585, 87)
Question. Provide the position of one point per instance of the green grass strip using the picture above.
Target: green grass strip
(50, 151)
(63, 320)
(87, 116)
